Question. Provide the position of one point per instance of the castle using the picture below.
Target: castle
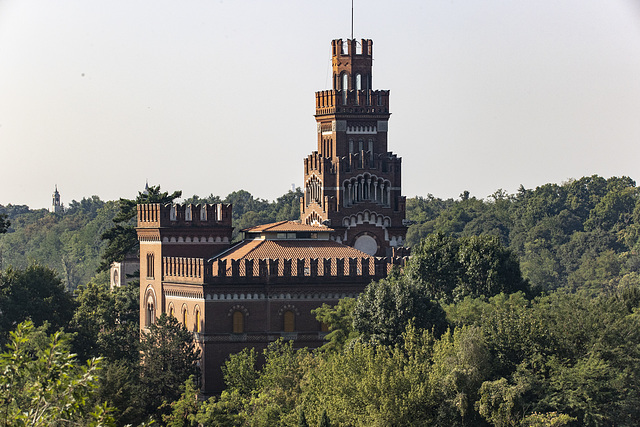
(351, 231)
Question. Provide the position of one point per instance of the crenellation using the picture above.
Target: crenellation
(183, 215)
(352, 101)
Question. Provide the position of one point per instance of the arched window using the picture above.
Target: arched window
(358, 81)
(289, 321)
(172, 311)
(197, 327)
(185, 317)
(238, 322)
(345, 88)
(150, 317)
(150, 266)
(351, 146)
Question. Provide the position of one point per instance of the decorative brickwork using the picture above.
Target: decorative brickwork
(352, 170)
(351, 233)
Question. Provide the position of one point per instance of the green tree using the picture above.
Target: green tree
(35, 293)
(324, 420)
(339, 322)
(122, 236)
(169, 357)
(385, 309)
(184, 410)
(302, 419)
(107, 322)
(240, 371)
(4, 223)
(43, 385)
(451, 269)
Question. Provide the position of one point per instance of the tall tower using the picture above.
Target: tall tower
(56, 206)
(352, 183)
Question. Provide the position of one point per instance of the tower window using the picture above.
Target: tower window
(289, 321)
(238, 322)
(358, 81)
(151, 311)
(197, 325)
(150, 266)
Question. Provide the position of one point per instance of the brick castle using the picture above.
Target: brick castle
(352, 229)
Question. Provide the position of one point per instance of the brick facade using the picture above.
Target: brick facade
(352, 182)
(264, 288)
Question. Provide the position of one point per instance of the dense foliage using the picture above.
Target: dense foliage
(582, 234)
(518, 310)
(69, 242)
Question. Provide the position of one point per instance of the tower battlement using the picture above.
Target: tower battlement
(364, 101)
(155, 215)
(298, 270)
(338, 48)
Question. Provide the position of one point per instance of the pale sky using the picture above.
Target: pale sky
(97, 96)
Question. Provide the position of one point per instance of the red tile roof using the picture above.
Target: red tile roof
(294, 248)
(285, 226)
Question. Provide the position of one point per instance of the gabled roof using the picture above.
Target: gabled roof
(292, 249)
(286, 226)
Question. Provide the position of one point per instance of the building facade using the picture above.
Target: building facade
(352, 182)
(265, 287)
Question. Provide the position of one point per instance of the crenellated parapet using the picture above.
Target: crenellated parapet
(352, 101)
(299, 270)
(318, 163)
(382, 162)
(186, 270)
(156, 215)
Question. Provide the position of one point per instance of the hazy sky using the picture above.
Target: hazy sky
(216, 96)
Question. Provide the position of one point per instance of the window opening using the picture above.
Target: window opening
(238, 322)
(289, 321)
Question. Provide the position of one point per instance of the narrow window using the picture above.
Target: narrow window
(185, 317)
(150, 265)
(351, 146)
(289, 321)
(151, 312)
(358, 81)
(172, 312)
(238, 322)
(197, 325)
(345, 88)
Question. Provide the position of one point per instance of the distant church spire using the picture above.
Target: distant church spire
(56, 206)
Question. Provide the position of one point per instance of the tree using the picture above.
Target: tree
(302, 419)
(43, 385)
(4, 223)
(339, 322)
(107, 322)
(324, 420)
(122, 236)
(169, 357)
(35, 293)
(184, 410)
(385, 309)
(451, 269)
